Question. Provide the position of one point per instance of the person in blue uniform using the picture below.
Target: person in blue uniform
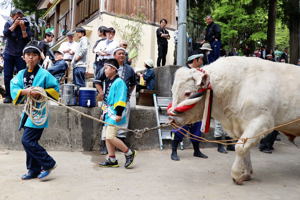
(39, 163)
(115, 100)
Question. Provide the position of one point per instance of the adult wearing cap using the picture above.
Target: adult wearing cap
(17, 34)
(102, 36)
(115, 99)
(79, 61)
(47, 55)
(194, 61)
(205, 50)
(38, 162)
(69, 48)
(105, 48)
(59, 67)
(148, 75)
(213, 37)
(126, 72)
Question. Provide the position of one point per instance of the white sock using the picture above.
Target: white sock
(112, 159)
(129, 152)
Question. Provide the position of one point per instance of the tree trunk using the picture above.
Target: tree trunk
(294, 28)
(271, 24)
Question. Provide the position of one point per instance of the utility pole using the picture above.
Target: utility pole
(181, 42)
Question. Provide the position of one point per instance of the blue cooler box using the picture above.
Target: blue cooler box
(87, 97)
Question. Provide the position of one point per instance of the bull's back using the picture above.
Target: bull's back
(258, 83)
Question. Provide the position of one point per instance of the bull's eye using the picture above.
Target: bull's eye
(187, 94)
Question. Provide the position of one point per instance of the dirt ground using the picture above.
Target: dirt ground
(155, 176)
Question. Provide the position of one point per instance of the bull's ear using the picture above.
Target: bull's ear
(205, 81)
(202, 80)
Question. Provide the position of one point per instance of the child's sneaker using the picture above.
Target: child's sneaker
(109, 163)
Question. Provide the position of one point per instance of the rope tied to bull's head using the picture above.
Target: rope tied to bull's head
(192, 100)
(185, 107)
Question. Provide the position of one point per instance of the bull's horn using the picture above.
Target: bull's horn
(189, 101)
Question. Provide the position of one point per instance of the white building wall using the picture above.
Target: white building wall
(147, 50)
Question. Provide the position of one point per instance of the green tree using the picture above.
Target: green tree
(291, 16)
(28, 6)
(282, 35)
(243, 22)
(239, 28)
(271, 24)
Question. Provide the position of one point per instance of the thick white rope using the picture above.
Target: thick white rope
(37, 108)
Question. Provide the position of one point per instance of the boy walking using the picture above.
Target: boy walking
(115, 98)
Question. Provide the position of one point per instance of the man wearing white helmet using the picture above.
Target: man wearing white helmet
(194, 61)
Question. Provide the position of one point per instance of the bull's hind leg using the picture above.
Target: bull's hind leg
(242, 168)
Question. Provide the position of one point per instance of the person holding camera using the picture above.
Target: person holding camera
(17, 34)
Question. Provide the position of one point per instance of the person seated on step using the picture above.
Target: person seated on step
(147, 78)
(58, 69)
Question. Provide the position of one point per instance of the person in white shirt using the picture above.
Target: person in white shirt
(79, 61)
(98, 64)
(105, 48)
(68, 48)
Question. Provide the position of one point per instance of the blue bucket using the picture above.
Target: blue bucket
(87, 97)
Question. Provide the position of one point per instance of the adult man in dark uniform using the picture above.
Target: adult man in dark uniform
(213, 36)
(162, 42)
(194, 61)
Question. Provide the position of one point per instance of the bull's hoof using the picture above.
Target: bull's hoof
(237, 182)
(240, 180)
(247, 177)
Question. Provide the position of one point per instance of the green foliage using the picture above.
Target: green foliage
(131, 32)
(28, 7)
(243, 22)
(282, 36)
(238, 27)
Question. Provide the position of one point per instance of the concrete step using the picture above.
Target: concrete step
(69, 131)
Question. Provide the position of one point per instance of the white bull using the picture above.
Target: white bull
(250, 95)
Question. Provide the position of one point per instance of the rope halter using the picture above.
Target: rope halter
(189, 103)
(192, 101)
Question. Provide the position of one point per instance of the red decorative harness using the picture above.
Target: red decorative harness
(207, 109)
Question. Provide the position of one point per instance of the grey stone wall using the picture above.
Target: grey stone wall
(69, 131)
(164, 79)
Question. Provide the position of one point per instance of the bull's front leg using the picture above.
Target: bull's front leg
(242, 168)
